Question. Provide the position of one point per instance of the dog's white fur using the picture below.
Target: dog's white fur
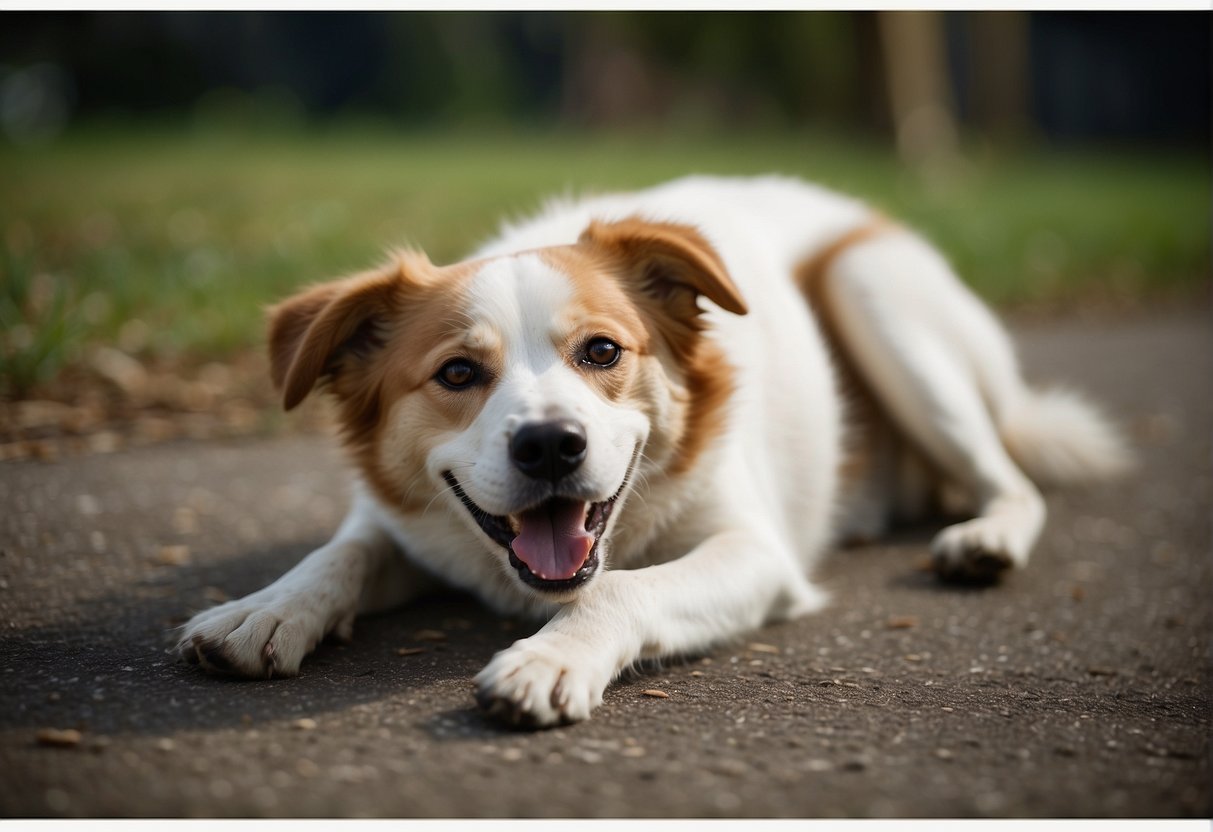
(704, 558)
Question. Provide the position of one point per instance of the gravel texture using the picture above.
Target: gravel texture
(1079, 687)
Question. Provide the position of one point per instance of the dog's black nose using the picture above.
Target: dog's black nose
(548, 450)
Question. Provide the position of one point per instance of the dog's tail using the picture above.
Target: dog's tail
(1059, 438)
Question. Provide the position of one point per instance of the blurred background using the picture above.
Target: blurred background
(164, 176)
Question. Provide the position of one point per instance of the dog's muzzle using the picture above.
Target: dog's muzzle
(553, 545)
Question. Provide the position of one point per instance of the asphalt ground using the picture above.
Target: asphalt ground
(1079, 687)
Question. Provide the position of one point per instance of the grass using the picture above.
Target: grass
(170, 242)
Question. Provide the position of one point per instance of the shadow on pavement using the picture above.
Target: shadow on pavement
(107, 664)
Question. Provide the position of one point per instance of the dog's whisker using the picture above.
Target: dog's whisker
(417, 480)
(412, 484)
(452, 489)
(639, 476)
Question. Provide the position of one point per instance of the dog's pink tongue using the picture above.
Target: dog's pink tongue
(552, 541)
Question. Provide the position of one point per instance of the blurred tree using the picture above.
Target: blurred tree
(917, 77)
(998, 88)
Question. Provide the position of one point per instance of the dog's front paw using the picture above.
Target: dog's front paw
(976, 552)
(548, 679)
(263, 635)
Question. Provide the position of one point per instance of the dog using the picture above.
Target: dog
(642, 417)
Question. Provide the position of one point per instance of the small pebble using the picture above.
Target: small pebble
(657, 694)
(173, 555)
(59, 738)
(304, 724)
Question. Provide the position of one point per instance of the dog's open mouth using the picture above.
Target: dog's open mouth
(554, 546)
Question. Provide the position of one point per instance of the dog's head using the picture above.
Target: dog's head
(532, 391)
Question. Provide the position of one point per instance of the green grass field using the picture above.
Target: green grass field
(170, 242)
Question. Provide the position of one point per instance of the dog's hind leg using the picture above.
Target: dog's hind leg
(942, 367)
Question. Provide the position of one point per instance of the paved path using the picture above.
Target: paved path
(1080, 687)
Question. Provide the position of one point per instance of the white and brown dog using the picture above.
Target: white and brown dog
(644, 417)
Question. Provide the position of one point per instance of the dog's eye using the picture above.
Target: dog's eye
(457, 374)
(602, 353)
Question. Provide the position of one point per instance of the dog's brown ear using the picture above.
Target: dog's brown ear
(672, 262)
(310, 332)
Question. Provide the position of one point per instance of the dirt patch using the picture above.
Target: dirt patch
(116, 401)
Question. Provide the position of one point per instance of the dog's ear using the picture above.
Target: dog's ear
(312, 332)
(668, 261)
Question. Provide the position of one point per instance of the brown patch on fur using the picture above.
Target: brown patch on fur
(709, 383)
(601, 307)
(599, 301)
(394, 463)
(670, 258)
(664, 267)
(371, 341)
(310, 333)
(865, 416)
